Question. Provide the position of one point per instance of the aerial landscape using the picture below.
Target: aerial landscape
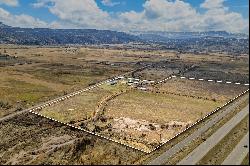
(117, 82)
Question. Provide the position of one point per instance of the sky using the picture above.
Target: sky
(129, 15)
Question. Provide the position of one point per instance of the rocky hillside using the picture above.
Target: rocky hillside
(44, 36)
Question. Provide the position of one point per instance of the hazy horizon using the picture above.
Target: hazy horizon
(126, 16)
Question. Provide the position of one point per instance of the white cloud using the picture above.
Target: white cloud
(109, 3)
(22, 20)
(162, 15)
(13, 3)
(76, 13)
(157, 15)
(218, 17)
(211, 4)
(166, 15)
(39, 4)
(168, 10)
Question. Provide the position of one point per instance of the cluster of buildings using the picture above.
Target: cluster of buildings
(133, 82)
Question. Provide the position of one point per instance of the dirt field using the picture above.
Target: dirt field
(31, 75)
(82, 107)
(235, 70)
(29, 139)
(155, 118)
(155, 74)
(143, 119)
(202, 89)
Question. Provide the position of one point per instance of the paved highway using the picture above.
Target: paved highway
(198, 153)
(162, 159)
(239, 153)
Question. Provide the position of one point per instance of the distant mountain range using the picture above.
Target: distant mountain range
(166, 36)
(218, 41)
(194, 42)
(4, 26)
(45, 36)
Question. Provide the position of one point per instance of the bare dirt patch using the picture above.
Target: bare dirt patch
(143, 119)
(29, 139)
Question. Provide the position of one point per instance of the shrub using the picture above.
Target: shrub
(152, 127)
(5, 105)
